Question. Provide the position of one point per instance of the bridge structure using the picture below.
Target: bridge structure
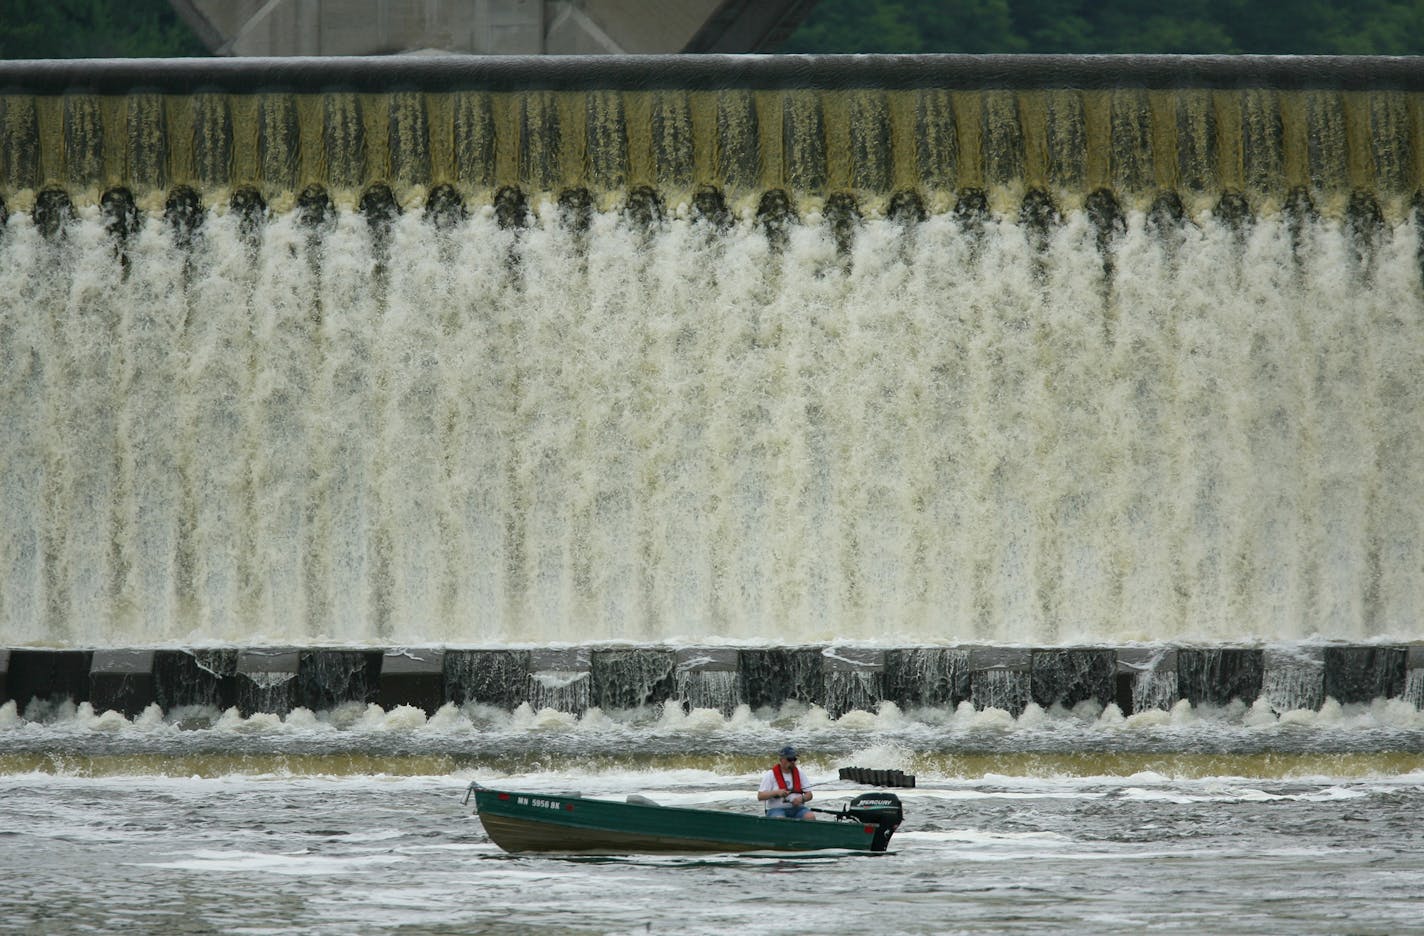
(490, 27)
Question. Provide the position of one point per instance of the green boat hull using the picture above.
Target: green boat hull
(540, 822)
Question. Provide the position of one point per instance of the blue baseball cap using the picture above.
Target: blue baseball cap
(788, 751)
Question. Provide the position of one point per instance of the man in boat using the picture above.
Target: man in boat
(784, 788)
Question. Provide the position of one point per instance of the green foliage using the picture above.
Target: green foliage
(1289, 27)
(35, 29)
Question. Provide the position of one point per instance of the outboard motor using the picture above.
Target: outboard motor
(879, 809)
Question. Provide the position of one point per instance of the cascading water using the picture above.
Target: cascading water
(950, 431)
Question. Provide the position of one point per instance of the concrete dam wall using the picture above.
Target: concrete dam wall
(839, 679)
(862, 127)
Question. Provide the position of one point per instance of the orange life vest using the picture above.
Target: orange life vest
(781, 779)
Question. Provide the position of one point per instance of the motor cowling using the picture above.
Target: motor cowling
(882, 809)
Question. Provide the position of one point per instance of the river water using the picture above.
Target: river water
(352, 821)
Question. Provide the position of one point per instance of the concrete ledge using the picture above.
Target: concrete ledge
(999, 677)
(779, 675)
(706, 660)
(1293, 677)
(267, 681)
(982, 659)
(487, 677)
(854, 679)
(707, 678)
(631, 678)
(412, 677)
(328, 678)
(560, 680)
(852, 660)
(1218, 675)
(48, 676)
(928, 676)
(1069, 676)
(1134, 660)
(840, 679)
(1359, 674)
(195, 677)
(122, 681)
(441, 74)
(1146, 678)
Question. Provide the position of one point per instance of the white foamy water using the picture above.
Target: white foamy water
(490, 437)
(64, 736)
(316, 854)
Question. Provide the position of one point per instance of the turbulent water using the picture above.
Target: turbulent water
(1030, 848)
(54, 735)
(486, 436)
(1198, 819)
(351, 821)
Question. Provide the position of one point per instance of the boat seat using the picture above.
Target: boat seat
(640, 799)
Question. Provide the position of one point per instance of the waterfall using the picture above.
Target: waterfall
(946, 432)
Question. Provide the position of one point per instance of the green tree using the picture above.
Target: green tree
(1289, 27)
(908, 26)
(94, 29)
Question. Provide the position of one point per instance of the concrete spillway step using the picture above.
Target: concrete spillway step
(838, 679)
(1250, 127)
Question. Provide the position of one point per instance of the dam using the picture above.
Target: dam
(724, 379)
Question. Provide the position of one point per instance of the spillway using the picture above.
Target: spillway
(885, 352)
(1254, 128)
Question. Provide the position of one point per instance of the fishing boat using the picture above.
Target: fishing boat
(570, 823)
